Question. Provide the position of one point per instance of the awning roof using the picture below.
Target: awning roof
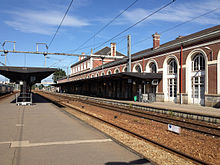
(29, 74)
(118, 76)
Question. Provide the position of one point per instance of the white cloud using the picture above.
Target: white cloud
(42, 22)
(178, 13)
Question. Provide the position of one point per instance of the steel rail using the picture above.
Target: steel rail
(171, 121)
(6, 95)
(187, 115)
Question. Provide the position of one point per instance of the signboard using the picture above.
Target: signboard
(174, 128)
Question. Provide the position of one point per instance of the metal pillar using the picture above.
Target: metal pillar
(129, 53)
(5, 58)
(45, 63)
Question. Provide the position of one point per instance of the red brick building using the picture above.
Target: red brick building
(99, 58)
(185, 70)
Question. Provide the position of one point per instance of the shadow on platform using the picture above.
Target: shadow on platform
(134, 162)
(36, 98)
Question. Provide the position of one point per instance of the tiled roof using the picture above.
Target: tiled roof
(104, 51)
(107, 51)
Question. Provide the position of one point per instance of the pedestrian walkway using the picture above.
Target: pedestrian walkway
(42, 134)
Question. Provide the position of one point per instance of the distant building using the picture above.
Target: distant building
(99, 58)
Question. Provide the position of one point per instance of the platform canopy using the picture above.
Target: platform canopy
(118, 76)
(31, 75)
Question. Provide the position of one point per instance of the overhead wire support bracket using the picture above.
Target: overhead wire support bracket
(44, 53)
(47, 53)
(7, 51)
(9, 42)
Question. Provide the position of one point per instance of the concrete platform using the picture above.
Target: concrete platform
(189, 108)
(42, 135)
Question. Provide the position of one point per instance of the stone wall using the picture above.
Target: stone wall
(212, 100)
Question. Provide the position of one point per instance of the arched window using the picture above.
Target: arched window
(125, 69)
(97, 75)
(137, 69)
(172, 67)
(153, 68)
(103, 73)
(92, 75)
(117, 71)
(109, 72)
(198, 63)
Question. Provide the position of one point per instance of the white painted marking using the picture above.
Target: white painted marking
(19, 143)
(19, 125)
(27, 144)
(5, 142)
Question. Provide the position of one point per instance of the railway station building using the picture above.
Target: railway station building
(185, 70)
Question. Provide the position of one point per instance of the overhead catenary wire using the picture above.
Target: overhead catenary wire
(60, 24)
(90, 46)
(175, 26)
(190, 20)
(60, 60)
(134, 24)
(106, 25)
(143, 19)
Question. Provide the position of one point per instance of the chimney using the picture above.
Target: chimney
(113, 49)
(156, 40)
(91, 51)
(82, 57)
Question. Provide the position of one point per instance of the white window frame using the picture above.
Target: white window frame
(134, 68)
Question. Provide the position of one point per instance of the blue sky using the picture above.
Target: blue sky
(30, 21)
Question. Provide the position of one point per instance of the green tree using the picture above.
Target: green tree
(58, 74)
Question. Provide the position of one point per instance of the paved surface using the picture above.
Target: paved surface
(42, 135)
(190, 108)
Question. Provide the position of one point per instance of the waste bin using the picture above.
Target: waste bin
(135, 98)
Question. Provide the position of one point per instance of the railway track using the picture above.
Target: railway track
(6, 95)
(186, 124)
(197, 126)
(65, 102)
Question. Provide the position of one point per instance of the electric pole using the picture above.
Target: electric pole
(129, 53)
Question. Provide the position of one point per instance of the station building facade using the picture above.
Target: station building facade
(185, 70)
